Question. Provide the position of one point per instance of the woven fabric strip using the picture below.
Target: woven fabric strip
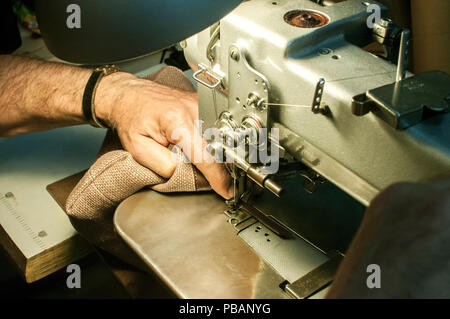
(116, 175)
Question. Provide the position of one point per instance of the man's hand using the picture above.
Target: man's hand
(147, 116)
(37, 96)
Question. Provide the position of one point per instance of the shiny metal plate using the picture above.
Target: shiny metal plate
(186, 240)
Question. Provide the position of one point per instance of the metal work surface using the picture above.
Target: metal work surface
(186, 241)
(293, 258)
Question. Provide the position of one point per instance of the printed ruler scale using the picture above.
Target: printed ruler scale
(34, 230)
(10, 204)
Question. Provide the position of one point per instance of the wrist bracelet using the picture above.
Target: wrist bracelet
(89, 93)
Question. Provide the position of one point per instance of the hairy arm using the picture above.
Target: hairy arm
(37, 96)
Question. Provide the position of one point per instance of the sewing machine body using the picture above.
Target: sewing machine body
(315, 86)
(308, 83)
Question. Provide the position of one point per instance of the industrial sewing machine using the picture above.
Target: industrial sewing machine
(312, 127)
(332, 111)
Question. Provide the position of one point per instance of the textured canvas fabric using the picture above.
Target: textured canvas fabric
(116, 175)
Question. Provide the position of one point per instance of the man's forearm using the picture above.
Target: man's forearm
(37, 95)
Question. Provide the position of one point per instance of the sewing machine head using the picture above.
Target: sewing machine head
(291, 88)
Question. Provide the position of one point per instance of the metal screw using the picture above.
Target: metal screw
(255, 101)
(42, 233)
(234, 54)
(325, 51)
(252, 99)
